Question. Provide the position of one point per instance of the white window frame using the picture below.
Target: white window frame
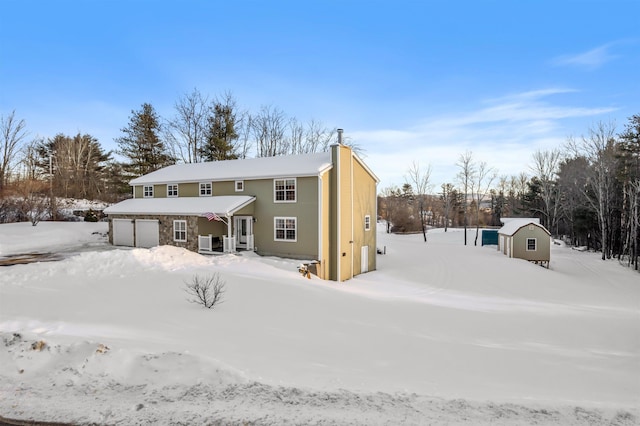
(239, 185)
(286, 220)
(147, 191)
(180, 230)
(285, 190)
(367, 222)
(205, 189)
(170, 192)
(535, 244)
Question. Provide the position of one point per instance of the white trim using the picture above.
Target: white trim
(535, 244)
(295, 190)
(319, 257)
(285, 229)
(210, 189)
(241, 182)
(182, 222)
(176, 192)
(146, 193)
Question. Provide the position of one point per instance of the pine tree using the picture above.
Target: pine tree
(220, 134)
(141, 143)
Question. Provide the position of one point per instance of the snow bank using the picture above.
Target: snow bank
(441, 333)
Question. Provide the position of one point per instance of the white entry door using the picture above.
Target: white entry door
(244, 231)
(364, 260)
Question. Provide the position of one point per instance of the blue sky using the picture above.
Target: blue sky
(407, 80)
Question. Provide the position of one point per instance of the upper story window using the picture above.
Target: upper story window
(239, 185)
(147, 191)
(172, 190)
(532, 244)
(284, 190)
(367, 223)
(205, 189)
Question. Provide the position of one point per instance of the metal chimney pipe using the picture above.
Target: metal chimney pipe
(340, 136)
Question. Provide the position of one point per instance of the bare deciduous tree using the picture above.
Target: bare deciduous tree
(269, 129)
(13, 132)
(206, 291)
(186, 130)
(480, 187)
(465, 177)
(419, 179)
(545, 166)
(600, 150)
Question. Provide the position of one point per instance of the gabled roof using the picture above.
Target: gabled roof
(246, 169)
(225, 205)
(512, 226)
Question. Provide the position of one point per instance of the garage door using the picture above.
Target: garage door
(123, 232)
(147, 233)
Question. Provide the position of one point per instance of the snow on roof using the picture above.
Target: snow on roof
(221, 205)
(253, 168)
(512, 225)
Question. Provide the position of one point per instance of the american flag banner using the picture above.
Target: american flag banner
(212, 216)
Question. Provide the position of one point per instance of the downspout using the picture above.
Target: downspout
(319, 257)
(338, 211)
(352, 219)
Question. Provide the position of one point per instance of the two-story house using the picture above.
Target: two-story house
(319, 207)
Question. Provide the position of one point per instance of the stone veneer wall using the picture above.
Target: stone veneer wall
(166, 229)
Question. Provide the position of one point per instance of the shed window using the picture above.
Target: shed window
(532, 244)
(285, 229)
(180, 230)
(205, 189)
(172, 190)
(284, 190)
(147, 191)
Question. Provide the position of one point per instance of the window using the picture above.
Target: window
(531, 244)
(205, 189)
(239, 185)
(180, 230)
(284, 190)
(285, 229)
(367, 223)
(172, 190)
(147, 191)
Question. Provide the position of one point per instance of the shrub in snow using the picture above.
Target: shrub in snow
(206, 291)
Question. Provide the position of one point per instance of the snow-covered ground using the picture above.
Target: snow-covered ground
(440, 334)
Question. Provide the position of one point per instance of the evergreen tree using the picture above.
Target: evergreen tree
(221, 134)
(141, 143)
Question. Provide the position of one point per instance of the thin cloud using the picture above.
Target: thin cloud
(592, 59)
(504, 133)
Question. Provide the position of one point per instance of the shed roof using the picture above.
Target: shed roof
(514, 225)
(252, 168)
(225, 205)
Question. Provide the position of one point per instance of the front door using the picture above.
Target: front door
(244, 230)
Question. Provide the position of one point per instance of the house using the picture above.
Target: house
(318, 207)
(525, 238)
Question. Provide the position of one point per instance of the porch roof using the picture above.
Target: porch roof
(225, 205)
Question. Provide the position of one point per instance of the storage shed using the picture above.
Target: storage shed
(525, 239)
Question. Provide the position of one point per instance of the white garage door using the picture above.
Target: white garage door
(147, 233)
(123, 232)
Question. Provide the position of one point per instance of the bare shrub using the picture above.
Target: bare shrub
(206, 291)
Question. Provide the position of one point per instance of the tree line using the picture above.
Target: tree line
(586, 192)
(201, 128)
